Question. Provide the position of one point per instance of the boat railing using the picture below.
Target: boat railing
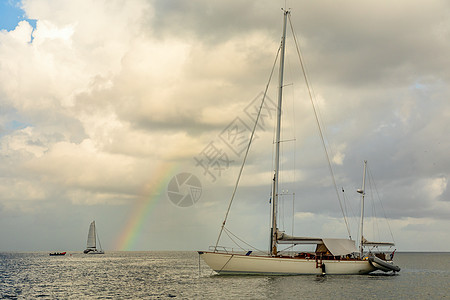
(217, 248)
(385, 255)
(229, 250)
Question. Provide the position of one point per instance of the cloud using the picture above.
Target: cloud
(98, 95)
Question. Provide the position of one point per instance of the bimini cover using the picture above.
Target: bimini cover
(339, 247)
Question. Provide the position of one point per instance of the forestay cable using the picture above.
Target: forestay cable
(318, 125)
(381, 203)
(247, 150)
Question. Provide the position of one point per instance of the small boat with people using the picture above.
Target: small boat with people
(57, 253)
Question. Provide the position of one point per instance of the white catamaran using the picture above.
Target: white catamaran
(91, 247)
(331, 255)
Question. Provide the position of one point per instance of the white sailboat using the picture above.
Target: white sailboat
(91, 246)
(331, 255)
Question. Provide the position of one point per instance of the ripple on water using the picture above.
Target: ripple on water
(164, 275)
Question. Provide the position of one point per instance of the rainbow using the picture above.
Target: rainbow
(144, 206)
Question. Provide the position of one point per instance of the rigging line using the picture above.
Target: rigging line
(295, 157)
(285, 141)
(374, 213)
(293, 212)
(225, 263)
(229, 232)
(281, 207)
(352, 212)
(318, 124)
(345, 202)
(290, 247)
(344, 199)
(374, 221)
(273, 154)
(247, 150)
(381, 203)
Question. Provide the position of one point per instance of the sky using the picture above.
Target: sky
(136, 114)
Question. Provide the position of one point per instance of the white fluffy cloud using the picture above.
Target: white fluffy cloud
(101, 93)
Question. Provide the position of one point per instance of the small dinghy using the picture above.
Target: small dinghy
(383, 265)
(57, 253)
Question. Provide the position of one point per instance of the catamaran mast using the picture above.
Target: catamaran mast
(363, 193)
(273, 240)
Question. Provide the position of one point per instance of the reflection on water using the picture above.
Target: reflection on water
(159, 275)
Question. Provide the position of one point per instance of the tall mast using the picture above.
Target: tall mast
(273, 240)
(363, 193)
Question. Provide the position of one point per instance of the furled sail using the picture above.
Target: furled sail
(367, 243)
(283, 238)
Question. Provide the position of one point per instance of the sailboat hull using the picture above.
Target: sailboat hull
(226, 263)
(96, 252)
(93, 251)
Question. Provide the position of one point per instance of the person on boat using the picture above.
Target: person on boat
(392, 254)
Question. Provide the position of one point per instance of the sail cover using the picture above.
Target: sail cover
(339, 247)
(283, 238)
(91, 236)
(367, 243)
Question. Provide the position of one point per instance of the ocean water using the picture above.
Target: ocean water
(164, 275)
